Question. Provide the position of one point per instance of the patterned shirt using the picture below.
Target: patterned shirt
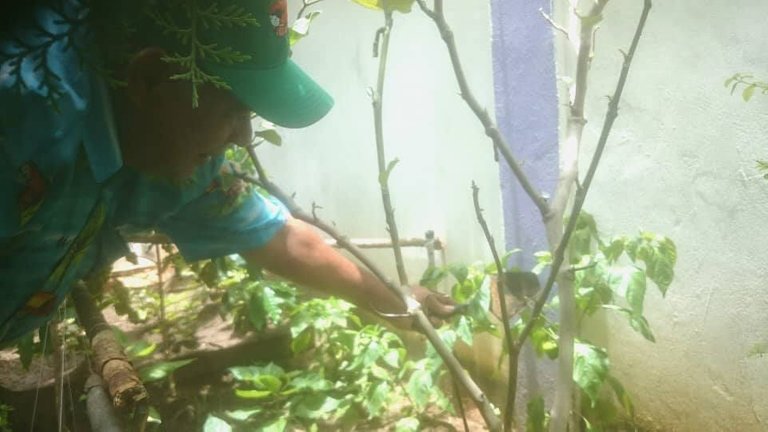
(65, 196)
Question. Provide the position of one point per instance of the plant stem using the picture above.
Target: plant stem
(377, 99)
(58, 369)
(569, 172)
(305, 5)
(559, 255)
(511, 387)
(161, 293)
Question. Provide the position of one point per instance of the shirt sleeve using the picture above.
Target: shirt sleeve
(230, 217)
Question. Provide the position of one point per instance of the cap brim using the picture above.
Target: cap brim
(284, 95)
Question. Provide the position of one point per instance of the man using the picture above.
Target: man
(78, 172)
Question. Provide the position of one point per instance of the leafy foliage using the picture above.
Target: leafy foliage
(608, 275)
(159, 371)
(187, 33)
(749, 85)
(5, 412)
(345, 371)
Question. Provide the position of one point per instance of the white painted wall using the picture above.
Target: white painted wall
(680, 162)
(441, 146)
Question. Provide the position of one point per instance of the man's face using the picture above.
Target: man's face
(170, 139)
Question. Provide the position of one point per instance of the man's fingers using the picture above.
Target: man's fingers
(440, 305)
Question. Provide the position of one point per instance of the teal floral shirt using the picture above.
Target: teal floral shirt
(66, 200)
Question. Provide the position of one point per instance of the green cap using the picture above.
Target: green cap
(265, 79)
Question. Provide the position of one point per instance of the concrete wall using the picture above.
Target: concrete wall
(441, 147)
(680, 162)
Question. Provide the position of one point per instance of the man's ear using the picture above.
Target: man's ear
(145, 71)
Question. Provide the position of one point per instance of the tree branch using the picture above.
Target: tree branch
(512, 361)
(108, 360)
(305, 5)
(377, 101)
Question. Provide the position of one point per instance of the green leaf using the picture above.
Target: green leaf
(384, 176)
(268, 382)
(269, 135)
(419, 388)
(407, 424)
(762, 165)
(276, 426)
(614, 249)
(464, 330)
(543, 260)
(621, 395)
(590, 368)
(403, 6)
(253, 394)
(242, 415)
(300, 27)
(310, 381)
(303, 341)
(629, 282)
(583, 234)
(544, 339)
(459, 271)
(433, 276)
(661, 271)
(377, 398)
(161, 370)
(537, 415)
(636, 291)
(25, 347)
(758, 350)
(316, 406)
(748, 92)
(640, 324)
(392, 357)
(215, 424)
(140, 348)
(257, 315)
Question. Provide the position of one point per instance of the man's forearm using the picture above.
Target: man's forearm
(299, 254)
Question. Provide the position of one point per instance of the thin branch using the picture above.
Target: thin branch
(481, 113)
(422, 322)
(500, 270)
(305, 5)
(554, 25)
(377, 100)
(457, 392)
(161, 293)
(424, 8)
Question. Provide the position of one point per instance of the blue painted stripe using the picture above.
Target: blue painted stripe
(526, 112)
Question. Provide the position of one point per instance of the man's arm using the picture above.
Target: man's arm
(298, 253)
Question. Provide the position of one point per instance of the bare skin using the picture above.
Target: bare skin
(161, 134)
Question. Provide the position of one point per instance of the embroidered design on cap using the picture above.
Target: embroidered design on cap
(278, 17)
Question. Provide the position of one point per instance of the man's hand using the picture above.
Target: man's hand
(436, 306)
